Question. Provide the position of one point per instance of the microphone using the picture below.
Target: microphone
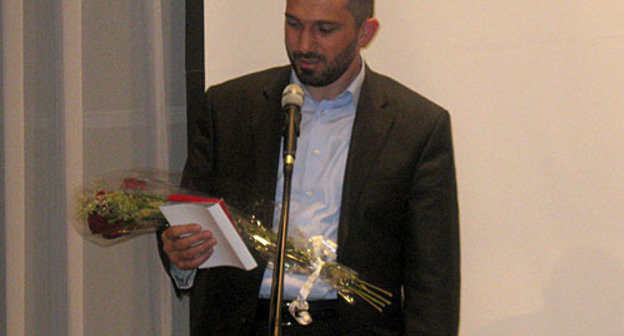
(292, 101)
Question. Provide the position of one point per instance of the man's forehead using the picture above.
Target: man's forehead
(335, 3)
(318, 10)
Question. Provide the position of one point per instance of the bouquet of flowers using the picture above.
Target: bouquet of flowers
(125, 204)
(119, 206)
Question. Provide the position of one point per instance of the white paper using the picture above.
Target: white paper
(230, 249)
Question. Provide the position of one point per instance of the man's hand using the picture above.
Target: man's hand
(187, 246)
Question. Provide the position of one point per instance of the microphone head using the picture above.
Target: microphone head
(292, 95)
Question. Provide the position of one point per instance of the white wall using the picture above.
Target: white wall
(536, 94)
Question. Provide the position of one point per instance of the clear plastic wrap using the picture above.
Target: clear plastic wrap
(125, 204)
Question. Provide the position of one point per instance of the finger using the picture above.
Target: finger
(174, 232)
(194, 263)
(196, 256)
(186, 243)
(198, 249)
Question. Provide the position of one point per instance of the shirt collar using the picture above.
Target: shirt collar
(354, 89)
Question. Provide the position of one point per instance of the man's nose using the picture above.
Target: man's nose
(307, 40)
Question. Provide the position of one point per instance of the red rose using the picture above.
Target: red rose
(133, 183)
(101, 195)
(99, 225)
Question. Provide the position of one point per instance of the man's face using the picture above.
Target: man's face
(321, 40)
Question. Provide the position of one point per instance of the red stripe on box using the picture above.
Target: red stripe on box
(199, 199)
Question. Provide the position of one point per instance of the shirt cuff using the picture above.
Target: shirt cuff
(183, 278)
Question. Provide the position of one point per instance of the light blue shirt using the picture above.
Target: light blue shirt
(321, 158)
(316, 193)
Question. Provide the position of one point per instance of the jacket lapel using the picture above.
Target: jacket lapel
(374, 120)
(266, 129)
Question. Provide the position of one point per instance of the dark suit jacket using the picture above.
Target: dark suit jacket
(399, 218)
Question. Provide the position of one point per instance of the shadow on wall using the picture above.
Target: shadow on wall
(585, 296)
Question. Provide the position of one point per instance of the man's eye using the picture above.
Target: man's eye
(292, 23)
(326, 30)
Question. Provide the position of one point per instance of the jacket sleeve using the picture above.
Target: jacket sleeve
(199, 167)
(431, 266)
(196, 176)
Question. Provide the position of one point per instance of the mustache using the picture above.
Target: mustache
(308, 55)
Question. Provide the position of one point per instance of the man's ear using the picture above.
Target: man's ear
(368, 29)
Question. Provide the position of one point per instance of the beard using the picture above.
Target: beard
(328, 74)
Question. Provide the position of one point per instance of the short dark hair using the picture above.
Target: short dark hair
(362, 10)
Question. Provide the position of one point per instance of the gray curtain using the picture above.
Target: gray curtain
(88, 86)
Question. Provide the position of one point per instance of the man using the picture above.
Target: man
(374, 172)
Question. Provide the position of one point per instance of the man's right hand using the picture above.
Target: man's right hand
(187, 246)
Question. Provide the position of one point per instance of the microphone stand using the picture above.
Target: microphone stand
(293, 118)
